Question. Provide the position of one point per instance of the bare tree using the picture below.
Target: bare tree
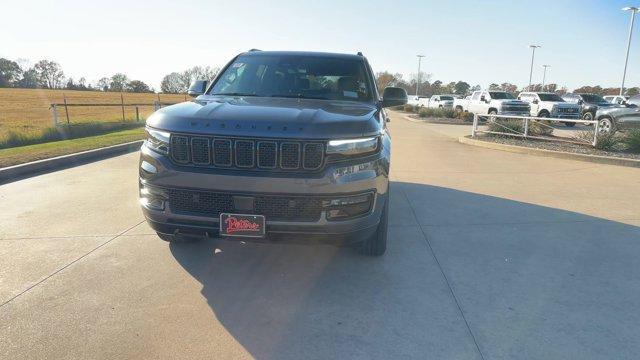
(197, 73)
(173, 83)
(49, 74)
(103, 84)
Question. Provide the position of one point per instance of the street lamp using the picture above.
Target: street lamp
(418, 82)
(533, 54)
(544, 74)
(633, 10)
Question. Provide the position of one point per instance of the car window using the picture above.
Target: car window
(475, 96)
(295, 76)
(501, 95)
(550, 97)
(634, 100)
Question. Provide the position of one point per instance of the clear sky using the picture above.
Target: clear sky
(477, 41)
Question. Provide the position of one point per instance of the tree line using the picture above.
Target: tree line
(462, 88)
(47, 74)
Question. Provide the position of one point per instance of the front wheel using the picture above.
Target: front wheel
(376, 245)
(605, 125)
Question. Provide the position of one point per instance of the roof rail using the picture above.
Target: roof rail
(254, 50)
(360, 53)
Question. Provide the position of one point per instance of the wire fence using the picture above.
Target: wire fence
(64, 107)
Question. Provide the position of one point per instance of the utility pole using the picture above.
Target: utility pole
(633, 10)
(533, 54)
(418, 82)
(544, 75)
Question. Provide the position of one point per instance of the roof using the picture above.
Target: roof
(303, 53)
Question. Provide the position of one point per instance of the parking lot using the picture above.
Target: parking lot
(492, 255)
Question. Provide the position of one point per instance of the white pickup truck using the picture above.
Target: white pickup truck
(497, 103)
(545, 104)
(441, 101)
(461, 105)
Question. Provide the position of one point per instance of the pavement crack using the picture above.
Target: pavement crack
(69, 264)
(453, 294)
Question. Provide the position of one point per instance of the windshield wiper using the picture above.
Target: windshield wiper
(300, 96)
(236, 94)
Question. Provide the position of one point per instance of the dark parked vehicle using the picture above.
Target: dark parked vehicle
(279, 143)
(620, 117)
(590, 103)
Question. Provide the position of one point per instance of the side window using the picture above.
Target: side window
(475, 96)
(486, 95)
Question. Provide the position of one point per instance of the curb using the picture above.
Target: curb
(609, 160)
(435, 122)
(16, 172)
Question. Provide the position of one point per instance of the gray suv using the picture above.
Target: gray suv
(280, 143)
(621, 117)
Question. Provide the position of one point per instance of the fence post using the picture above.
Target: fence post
(526, 127)
(66, 109)
(122, 103)
(137, 114)
(54, 111)
(595, 133)
(475, 125)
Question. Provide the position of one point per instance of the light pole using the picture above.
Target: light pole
(418, 82)
(544, 74)
(533, 54)
(633, 10)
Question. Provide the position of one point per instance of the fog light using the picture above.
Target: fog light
(152, 203)
(152, 198)
(347, 207)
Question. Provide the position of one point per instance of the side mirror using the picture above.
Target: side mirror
(535, 101)
(393, 96)
(198, 87)
(482, 98)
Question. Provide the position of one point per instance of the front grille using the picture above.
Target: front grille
(273, 207)
(247, 153)
(515, 108)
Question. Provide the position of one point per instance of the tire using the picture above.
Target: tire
(587, 116)
(493, 112)
(178, 238)
(543, 114)
(376, 245)
(459, 109)
(606, 125)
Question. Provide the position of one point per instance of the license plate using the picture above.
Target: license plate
(242, 225)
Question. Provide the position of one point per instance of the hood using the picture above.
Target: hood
(617, 110)
(560, 104)
(510, 102)
(269, 117)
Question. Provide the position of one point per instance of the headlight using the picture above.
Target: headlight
(353, 146)
(158, 140)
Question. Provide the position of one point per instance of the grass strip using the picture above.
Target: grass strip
(23, 154)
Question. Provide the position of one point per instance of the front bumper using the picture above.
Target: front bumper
(366, 175)
(514, 113)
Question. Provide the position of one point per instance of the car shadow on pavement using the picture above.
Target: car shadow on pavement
(529, 279)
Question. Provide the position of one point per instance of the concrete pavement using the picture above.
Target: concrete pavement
(492, 255)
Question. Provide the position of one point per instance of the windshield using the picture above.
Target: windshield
(550, 97)
(593, 98)
(295, 76)
(446, 97)
(501, 95)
